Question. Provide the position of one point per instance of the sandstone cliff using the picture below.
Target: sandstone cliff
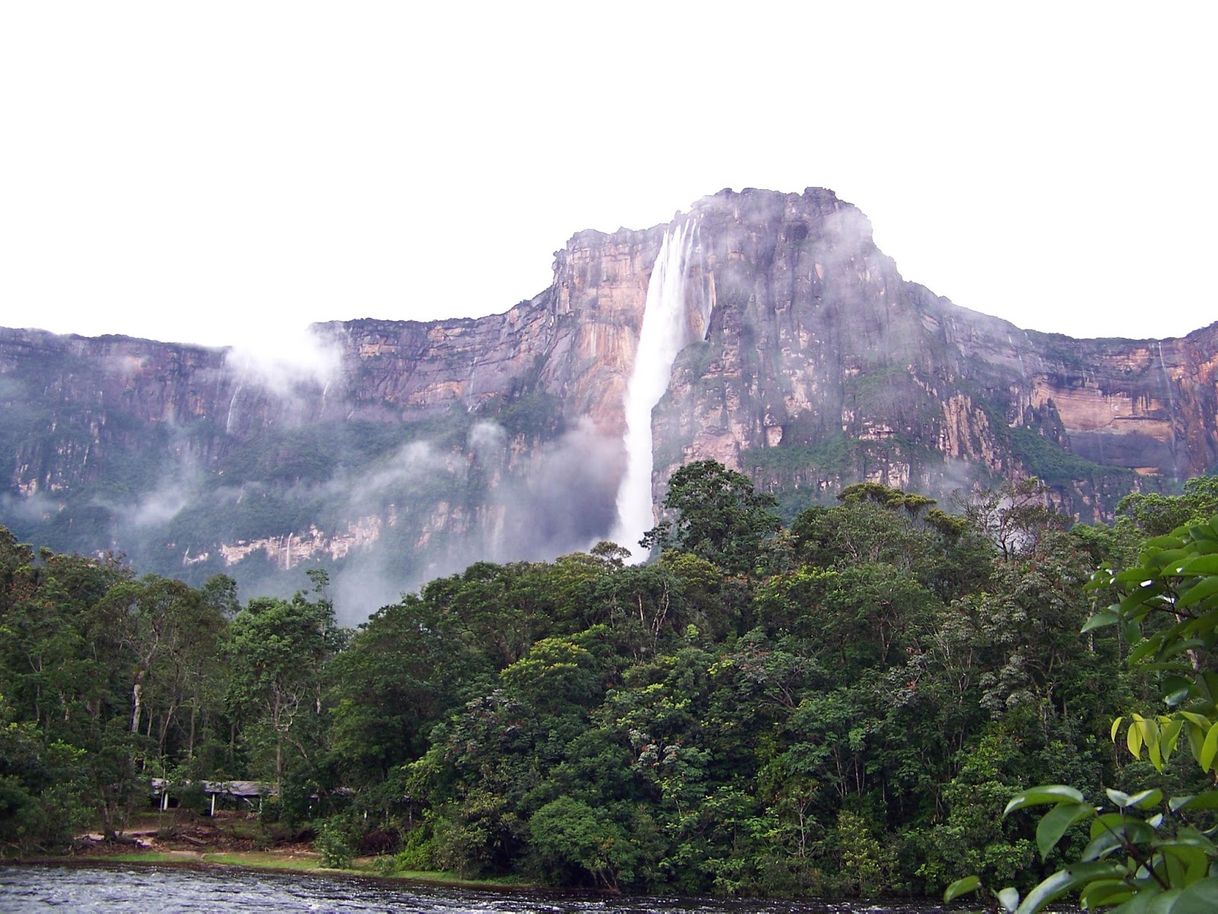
(418, 447)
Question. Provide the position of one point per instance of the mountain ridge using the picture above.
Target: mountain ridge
(412, 447)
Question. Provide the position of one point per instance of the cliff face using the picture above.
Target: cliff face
(823, 367)
(410, 449)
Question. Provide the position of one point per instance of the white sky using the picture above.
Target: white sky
(210, 171)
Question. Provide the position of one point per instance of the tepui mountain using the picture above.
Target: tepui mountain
(804, 360)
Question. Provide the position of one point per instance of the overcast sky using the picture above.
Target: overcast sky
(207, 172)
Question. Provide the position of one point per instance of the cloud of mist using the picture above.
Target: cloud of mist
(533, 506)
(409, 465)
(486, 438)
(172, 494)
(433, 506)
(29, 508)
(178, 486)
(285, 359)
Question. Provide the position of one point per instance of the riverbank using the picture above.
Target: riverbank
(268, 861)
(239, 841)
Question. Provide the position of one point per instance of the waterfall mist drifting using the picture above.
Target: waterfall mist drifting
(664, 333)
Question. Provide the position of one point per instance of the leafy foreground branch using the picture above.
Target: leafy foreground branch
(1147, 851)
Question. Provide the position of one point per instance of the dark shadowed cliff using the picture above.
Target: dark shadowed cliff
(411, 449)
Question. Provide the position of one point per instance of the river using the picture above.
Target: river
(164, 890)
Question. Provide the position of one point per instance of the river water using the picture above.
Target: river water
(162, 890)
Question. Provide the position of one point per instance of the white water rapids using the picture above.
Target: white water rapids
(665, 332)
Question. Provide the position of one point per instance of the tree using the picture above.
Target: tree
(168, 632)
(278, 649)
(718, 516)
(396, 679)
(1147, 851)
(1156, 515)
(1015, 516)
(568, 834)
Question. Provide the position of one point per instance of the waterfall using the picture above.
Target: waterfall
(664, 333)
(1171, 410)
(228, 422)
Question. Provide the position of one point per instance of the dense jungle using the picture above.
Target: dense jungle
(839, 705)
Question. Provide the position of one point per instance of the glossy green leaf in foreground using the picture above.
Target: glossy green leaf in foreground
(1056, 822)
(1043, 796)
(962, 887)
(1009, 898)
(1065, 880)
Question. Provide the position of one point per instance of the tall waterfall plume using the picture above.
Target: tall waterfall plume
(664, 333)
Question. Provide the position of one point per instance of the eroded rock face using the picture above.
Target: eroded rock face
(431, 445)
(819, 349)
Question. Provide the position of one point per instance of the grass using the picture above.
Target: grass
(447, 878)
(144, 857)
(266, 860)
(270, 860)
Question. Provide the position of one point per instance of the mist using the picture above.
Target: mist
(284, 358)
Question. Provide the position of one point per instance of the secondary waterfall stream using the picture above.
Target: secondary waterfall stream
(664, 333)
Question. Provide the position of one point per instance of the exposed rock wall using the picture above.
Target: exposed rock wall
(816, 365)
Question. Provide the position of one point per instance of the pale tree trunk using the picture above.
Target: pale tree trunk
(137, 691)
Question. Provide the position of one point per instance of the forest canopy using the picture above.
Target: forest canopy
(844, 705)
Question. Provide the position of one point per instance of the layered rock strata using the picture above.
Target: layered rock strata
(421, 446)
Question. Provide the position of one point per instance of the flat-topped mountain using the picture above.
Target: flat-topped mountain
(409, 449)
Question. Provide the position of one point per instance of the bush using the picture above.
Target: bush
(416, 852)
(336, 841)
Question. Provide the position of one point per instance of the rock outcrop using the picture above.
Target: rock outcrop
(417, 447)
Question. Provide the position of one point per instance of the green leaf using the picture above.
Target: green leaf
(1043, 796)
(1196, 742)
(1147, 799)
(1136, 599)
(1171, 735)
(1207, 800)
(1175, 690)
(1191, 861)
(1063, 881)
(1116, 725)
(961, 887)
(1209, 749)
(1008, 898)
(1145, 649)
(1105, 892)
(1199, 898)
(1197, 720)
(1204, 588)
(1167, 541)
(1133, 739)
(1102, 845)
(1109, 821)
(1055, 823)
(1100, 619)
(1191, 837)
(1202, 564)
(1110, 831)
(1118, 798)
(1150, 736)
(1134, 576)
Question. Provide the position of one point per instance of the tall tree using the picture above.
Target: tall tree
(278, 649)
(718, 515)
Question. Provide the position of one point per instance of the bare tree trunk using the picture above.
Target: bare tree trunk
(137, 691)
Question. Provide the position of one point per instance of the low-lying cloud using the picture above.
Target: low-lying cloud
(285, 359)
